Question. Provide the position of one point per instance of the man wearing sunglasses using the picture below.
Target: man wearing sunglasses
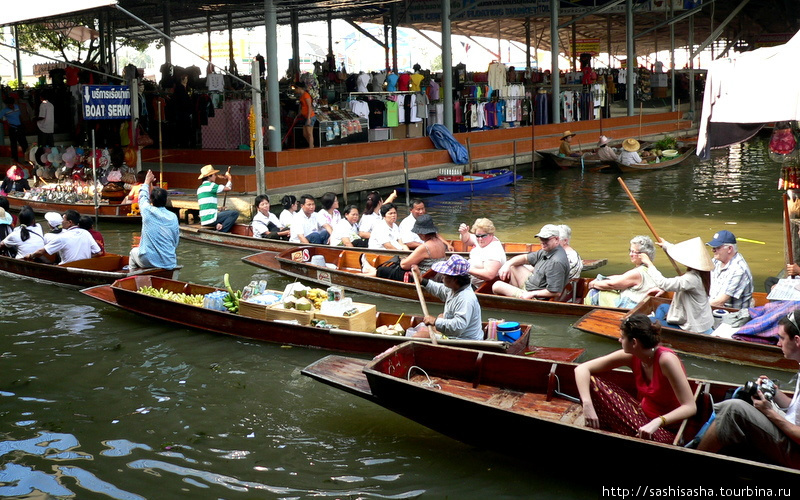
(546, 278)
(731, 279)
(768, 428)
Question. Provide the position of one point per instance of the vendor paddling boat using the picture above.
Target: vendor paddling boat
(112, 212)
(81, 273)
(606, 324)
(288, 326)
(471, 397)
(241, 236)
(588, 159)
(445, 184)
(343, 268)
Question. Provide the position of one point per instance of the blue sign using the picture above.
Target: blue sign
(106, 102)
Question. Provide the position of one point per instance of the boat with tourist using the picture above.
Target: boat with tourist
(286, 326)
(472, 397)
(663, 159)
(344, 268)
(606, 323)
(106, 211)
(81, 273)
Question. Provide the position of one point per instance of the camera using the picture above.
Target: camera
(767, 387)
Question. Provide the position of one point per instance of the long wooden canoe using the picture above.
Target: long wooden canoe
(345, 271)
(124, 294)
(516, 405)
(80, 273)
(606, 324)
(112, 212)
(617, 167)
(241, 236)
(589, 160)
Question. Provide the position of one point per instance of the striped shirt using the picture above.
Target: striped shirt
(734, 280)
(207, 199)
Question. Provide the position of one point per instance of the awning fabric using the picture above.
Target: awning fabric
(744, 92)
(30, 10)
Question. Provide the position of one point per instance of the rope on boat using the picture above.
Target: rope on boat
(429, 383)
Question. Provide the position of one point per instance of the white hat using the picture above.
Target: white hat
(691, 253)
(54, 219)
(5, 218)
(602, 141)
(548, 231)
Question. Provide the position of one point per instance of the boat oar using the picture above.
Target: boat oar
(646, 220)
(787, 224)
(751, 241)
(417, 279)
(225, 194)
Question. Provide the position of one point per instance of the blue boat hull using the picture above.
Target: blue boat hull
(432, 186)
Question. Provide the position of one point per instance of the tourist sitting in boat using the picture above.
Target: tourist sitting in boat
(70, 244)
(566, 148)
(760, 430)
(432, 249)
(15, 180)
(6, 227)
(461, 318)
(306, 227)
(346, 232)
(663, 396)
(604, 151)
(54, 220)
(547, 278)
(690, 309)
(415, 208)
(210, 217)
(372, 212)
(265, 224)
(627, 289)
(575, 261)
(289, 204)
(329, 216)
(630, 154)
(731, 279)
(386, 233)
(133, 194)
(5, 206)
(160, 234)
(486, 252)
(25, 238)
(86, 223)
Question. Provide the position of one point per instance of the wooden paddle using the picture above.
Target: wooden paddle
(225, 194)
(417, 279)
(787, 225)
(646, 221)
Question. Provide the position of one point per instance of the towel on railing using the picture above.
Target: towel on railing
(442, 138)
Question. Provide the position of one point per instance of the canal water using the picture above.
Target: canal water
(99, 403)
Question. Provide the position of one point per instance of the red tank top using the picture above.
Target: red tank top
(656, 397)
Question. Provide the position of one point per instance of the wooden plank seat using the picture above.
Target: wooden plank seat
(107, 262)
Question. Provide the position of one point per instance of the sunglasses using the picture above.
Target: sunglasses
(479, 236)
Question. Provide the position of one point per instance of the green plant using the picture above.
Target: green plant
(666, 143)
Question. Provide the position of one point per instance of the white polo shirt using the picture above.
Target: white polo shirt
(72, 244)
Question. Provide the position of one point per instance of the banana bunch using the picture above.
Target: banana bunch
(183, 298)
(231, 301)
(317, 296)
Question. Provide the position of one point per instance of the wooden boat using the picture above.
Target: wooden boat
(241, 236)
(112, 212)
(343, 268)
(81, 273)
(617, 167)
(588, 160)
(606, 324)
(518, 404)
(124, 294)
(445, 184)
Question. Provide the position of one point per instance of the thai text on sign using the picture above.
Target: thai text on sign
(587, 46)
(106, 102)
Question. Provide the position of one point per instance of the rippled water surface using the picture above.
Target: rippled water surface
(99, 403)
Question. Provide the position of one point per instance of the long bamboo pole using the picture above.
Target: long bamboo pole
(787, 225)
(646, 220)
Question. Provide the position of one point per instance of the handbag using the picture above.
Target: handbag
(143, 138)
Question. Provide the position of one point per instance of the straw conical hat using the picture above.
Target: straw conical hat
(691, 253)
(630, 145)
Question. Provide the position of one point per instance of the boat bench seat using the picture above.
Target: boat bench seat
(108, 262)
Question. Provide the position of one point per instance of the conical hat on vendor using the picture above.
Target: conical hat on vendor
(631, 145)
(691, 253)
